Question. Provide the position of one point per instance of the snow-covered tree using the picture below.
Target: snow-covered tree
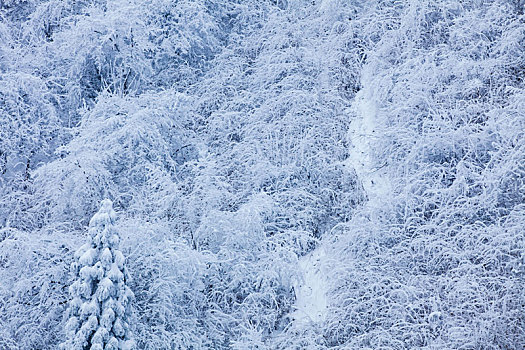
(100, 308)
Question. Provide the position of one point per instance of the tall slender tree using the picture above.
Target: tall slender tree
(100, 307)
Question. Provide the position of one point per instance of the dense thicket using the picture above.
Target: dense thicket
(235, 137)
(434, 259)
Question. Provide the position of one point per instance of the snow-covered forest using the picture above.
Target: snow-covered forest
(262, 174)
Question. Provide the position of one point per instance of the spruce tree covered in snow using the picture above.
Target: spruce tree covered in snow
(100, 309)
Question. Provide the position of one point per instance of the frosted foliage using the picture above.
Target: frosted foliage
(289, 174)
(93, 322)
(429, 260)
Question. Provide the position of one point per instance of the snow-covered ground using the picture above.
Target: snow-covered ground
(363, 134)
(311, 302)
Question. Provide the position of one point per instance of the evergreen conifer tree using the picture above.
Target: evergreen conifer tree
(100, 306)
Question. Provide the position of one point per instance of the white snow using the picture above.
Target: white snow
(311, 302)
(363, 133)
